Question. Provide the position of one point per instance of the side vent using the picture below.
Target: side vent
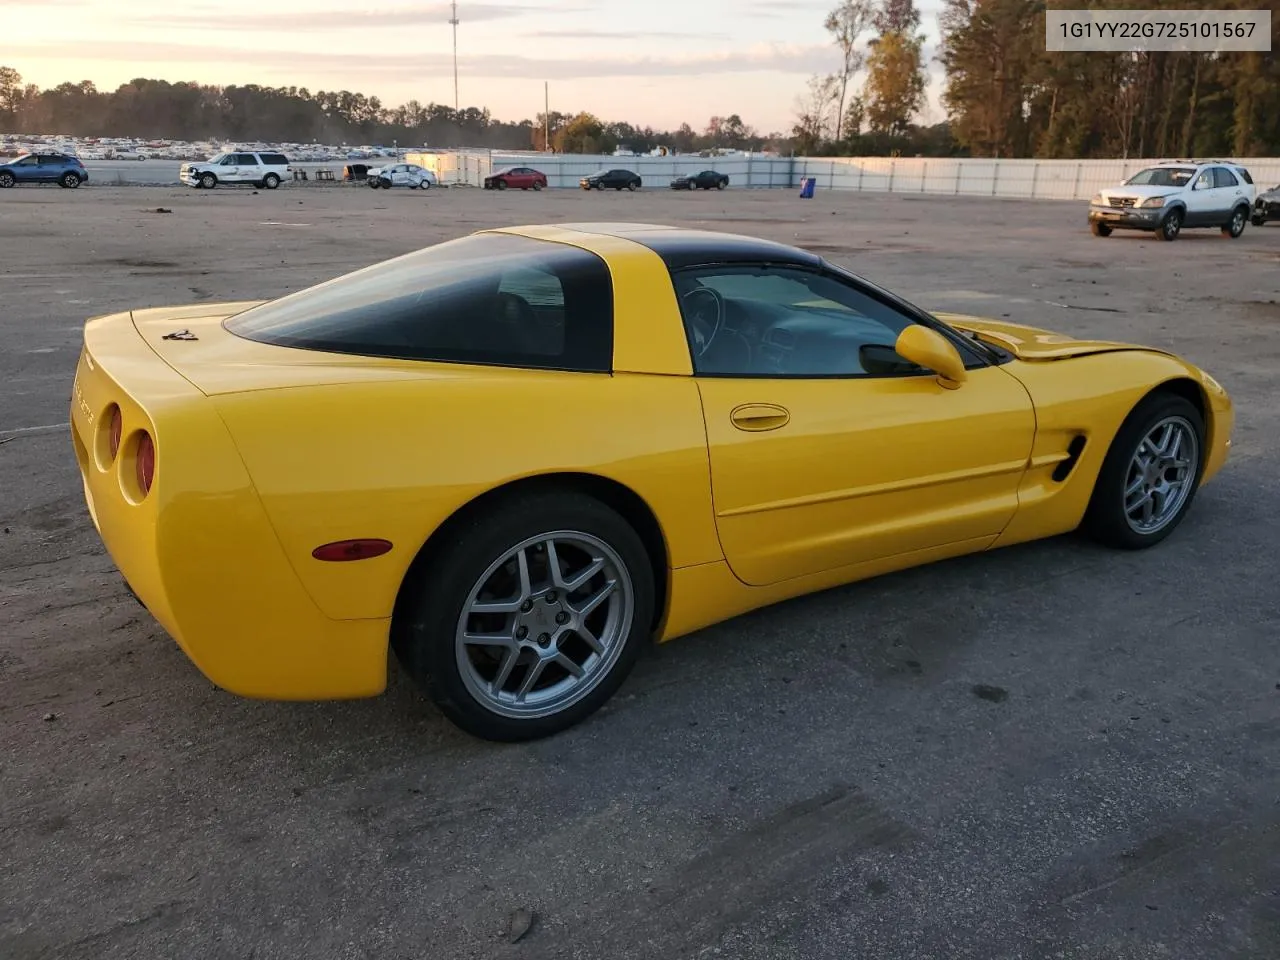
(1064, 467)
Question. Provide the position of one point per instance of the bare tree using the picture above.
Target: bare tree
(845, 23)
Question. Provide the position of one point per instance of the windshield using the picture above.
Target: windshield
(217, 158)
(1162, 177)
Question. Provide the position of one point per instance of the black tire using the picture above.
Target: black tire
(431, 605)
(384, 183)
(537, 185)
(722, 184)
(1106, 520)
(70, 181)
(1099, 229)
(632, 185)
(7, 180)
(426, 184)
(1235, 226)
(1257, 221)
(1170, 226)
(501, 184)
(271, 181)
(208, 181)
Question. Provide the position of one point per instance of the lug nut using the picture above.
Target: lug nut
(562, 617)
(544, 639)
(551, 596)
(521, 632)
(526, 606)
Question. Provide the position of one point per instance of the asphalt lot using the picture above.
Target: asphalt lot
(817, 780)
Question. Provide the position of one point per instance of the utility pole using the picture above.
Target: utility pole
(454, 21)
(546, 116)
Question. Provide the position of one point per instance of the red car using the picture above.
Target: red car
(517, 178)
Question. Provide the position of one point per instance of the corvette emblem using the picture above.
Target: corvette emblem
(180, 335)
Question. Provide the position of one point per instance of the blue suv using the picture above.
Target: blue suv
(43, 168)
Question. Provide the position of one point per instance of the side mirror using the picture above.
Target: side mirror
(933, 351)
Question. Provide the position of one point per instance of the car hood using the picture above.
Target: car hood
(1032, 343)
(1140, 192)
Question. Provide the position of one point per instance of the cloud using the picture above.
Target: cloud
(339, 19)
(625, 35)
(297, 66)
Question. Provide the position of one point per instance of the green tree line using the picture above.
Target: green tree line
(1003, 93)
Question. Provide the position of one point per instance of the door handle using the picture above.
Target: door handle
(759, 416)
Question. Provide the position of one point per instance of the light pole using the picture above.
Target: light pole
(546, 116)
(454, 21)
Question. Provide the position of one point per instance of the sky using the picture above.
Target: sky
(648, 62)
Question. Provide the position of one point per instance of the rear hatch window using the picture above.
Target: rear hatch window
(490, 298)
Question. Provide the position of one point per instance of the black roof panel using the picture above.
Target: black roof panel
(680, 247)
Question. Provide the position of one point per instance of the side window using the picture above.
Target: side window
(761, 321)
(247, 159)
(1222, 177)
(1244, 174)
(483, 299)
(1204, 181)
(51, 161)
(229, 161)
(28, 162)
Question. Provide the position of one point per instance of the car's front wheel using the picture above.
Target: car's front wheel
(529, 617)
(1171, 226)
(1257, 221)
(6, 180)
(1099, 229)
(1235, 227)
(208, 181)
(1150, 474)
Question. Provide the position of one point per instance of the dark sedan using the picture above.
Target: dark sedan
(706, 180)
(617, 179)
(516, 178)
(1267, 206)
(43, 168)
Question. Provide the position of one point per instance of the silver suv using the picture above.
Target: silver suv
(1166, 197)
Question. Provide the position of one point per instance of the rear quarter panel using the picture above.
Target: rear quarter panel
(395, 459)
(1091, 396)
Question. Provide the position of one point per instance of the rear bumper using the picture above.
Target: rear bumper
(198, 551)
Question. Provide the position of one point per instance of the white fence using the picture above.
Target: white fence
(1028, 179)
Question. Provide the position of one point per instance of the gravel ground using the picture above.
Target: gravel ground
(1049, 751)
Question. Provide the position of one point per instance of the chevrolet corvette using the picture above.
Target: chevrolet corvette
(516, 457)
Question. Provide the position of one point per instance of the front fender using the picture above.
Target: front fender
(1090, 397)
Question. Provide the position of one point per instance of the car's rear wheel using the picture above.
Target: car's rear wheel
(1235, 226)
(529, 617)
(271, 181)
(6, 180)
(1150, 474)
(70, 181)
(1171, 226)
(208, 181)
(1099, 229)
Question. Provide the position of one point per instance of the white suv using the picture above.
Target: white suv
(1168, 196)
(400, 175)
(258, 169)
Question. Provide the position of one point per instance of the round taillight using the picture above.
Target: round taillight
(145, 460)
(116, 429)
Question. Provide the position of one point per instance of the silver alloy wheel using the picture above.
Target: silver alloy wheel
(1161, 475)
(1237, 223)
(544, 624)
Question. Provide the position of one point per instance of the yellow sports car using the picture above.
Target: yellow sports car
(516, 457)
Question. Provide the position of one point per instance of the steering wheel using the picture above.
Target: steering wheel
(704, 309)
